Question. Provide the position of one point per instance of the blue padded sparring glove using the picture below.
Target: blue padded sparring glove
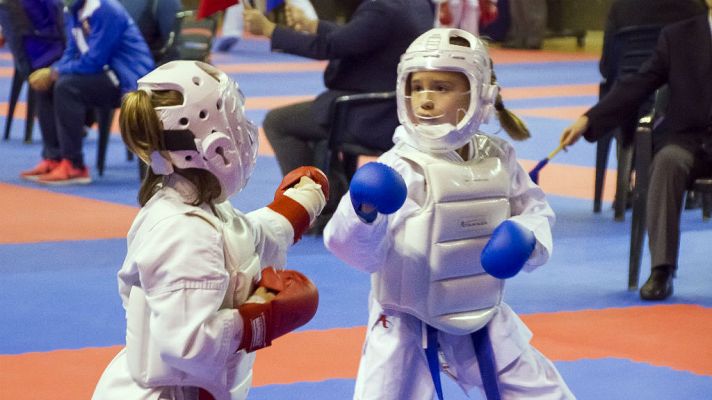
(380, 186)
(508, 249)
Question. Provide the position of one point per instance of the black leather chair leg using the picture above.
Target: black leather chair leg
(16, 86)
(625, 163)
(30, 115)
(703, 187)
(706, 206)
(603, 147)
(104, 119)
(643, 160)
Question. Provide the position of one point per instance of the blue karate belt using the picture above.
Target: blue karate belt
(485, 360)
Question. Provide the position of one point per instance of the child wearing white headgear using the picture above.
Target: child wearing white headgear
(197, 284)
(440, 221)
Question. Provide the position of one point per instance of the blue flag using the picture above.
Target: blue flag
(272, 4)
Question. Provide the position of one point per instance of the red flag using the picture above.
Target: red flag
(210, 7)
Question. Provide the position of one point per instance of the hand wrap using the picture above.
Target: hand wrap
(300, 197)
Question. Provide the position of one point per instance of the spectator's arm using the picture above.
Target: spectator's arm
(369, 29)
(105, 33)
(629, 92)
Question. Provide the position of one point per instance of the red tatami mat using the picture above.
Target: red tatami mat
(34, 215)
(634, 333)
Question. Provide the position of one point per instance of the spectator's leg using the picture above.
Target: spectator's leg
(669, 179)
(292, 132)
(75, 94)
(45, 115)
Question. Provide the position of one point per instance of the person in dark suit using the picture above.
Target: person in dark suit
(683, 61)
(363, 56)
(627, 13)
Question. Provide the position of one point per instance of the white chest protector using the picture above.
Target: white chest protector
(243, 267)
(440, 279)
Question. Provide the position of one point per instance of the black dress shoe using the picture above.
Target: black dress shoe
(659, 284)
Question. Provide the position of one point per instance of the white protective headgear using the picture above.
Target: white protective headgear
(209, 130)
(433, 51)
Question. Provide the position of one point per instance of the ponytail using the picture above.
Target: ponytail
(142, 132)
(510, 122)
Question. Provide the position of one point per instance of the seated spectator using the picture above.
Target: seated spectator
(686, 151)
(626, 13)
(156, 19)
(363, 56)
(104, 58)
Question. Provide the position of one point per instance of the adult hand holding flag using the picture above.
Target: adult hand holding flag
(570, 135)
(256, 22)
(534, 173)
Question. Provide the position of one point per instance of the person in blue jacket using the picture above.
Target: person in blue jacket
(104, 57)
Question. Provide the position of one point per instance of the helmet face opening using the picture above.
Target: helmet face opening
(444, 89)
(437, 97)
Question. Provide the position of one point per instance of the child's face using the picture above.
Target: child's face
(439, 97)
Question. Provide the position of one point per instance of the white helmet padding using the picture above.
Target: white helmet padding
(209, 130)
(433, 51)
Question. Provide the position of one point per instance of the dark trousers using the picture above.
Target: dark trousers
(295, 137)
(673, 170)
(62, 111)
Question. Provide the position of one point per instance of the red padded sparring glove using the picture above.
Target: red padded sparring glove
(293, 177)
(294, 304)
(293, 210)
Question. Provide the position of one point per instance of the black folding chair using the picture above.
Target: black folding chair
(342, 148)
(338, 157)
(643, 142)
(632, 46)
(195, 36)
(15, 26)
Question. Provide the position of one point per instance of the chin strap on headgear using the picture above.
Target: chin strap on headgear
(159, 165)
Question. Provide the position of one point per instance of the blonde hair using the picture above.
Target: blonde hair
(142, 131)
(510, 122)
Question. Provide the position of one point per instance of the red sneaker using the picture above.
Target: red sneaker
(66, 174)
(44, 167)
